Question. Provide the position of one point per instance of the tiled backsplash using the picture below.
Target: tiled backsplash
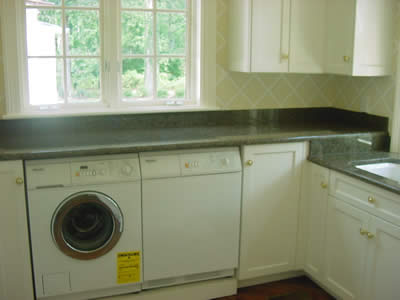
(252, 91)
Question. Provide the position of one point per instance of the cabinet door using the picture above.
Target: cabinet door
(270, 36)
(383, 263)
(346, 249)
(373, 41)
(340, 36)
(15, 264)
(307, 36)
(271, 192)
(316, 217)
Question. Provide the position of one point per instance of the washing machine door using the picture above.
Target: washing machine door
(87, 225)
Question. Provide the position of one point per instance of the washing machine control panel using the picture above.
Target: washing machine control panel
(105, 171)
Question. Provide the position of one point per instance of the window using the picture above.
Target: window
(154, 45)
(69, 56)
(63, 52)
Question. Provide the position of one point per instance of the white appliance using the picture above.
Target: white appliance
(191, 215)
(85, 224)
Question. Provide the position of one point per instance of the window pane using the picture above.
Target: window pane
(171, 78)
(171, 33)
(83, 3)
(46, 81)
(137, 78)
(83, 80)
(171, 4)
(43, 2)
(137, 3)
(83, 32)
(137, 33)
(44, 32)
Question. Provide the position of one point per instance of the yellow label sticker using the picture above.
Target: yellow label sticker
(128, 267)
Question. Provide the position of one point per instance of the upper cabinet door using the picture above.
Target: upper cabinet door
(270, 36)
(373, 38)
(359, 37)
(340, 36)
(383, 267)
(277, 36)
(307, 36)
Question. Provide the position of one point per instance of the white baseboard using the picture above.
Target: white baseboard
(322, 286)
(270, 278)
(194, 291)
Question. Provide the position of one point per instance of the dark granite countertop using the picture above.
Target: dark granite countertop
(345, 163)
(114, 141)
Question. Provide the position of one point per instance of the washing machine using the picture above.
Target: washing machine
(85, 226)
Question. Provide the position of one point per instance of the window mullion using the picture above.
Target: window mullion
(188, 69)
(155, 75)
(64, 56)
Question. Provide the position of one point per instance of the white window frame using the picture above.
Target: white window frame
(203, 66)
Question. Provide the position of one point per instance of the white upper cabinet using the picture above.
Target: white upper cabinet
(359, 37)
(307, 36)
(276, 36)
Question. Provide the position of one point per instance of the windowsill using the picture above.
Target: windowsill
(108, 111)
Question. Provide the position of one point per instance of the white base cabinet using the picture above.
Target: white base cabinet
(362, 238)
(345, 249)
(270, 209)
(382, 270)
(15, 263)
(316, 218)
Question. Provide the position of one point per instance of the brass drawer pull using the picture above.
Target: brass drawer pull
(371, 200)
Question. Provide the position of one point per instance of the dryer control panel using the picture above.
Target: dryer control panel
(190, 163)
(82, 171)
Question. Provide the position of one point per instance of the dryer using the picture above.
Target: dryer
(191, 215)
(85, 225)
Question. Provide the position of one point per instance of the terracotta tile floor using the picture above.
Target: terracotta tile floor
(284, 287)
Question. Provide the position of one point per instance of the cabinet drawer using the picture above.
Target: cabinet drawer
(375, 200)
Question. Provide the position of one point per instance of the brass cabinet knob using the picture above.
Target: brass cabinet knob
(250, 162)
(370, 235)
(346, 58)
(371, 200)
(363, 231)
(324, 185)
(284, 56)
(19, 180)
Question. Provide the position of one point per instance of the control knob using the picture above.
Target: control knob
(126, 170)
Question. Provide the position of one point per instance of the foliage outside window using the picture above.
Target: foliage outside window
(68, 66)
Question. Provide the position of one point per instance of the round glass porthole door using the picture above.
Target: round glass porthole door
(87, 225)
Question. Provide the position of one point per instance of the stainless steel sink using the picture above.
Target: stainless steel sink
(387, 169)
